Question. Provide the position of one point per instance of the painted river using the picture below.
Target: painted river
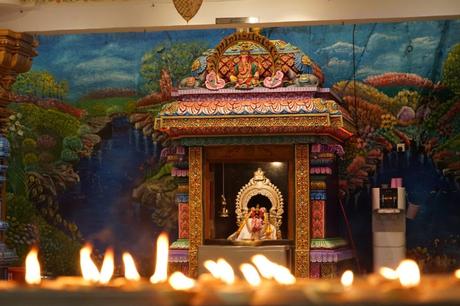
(101, 204)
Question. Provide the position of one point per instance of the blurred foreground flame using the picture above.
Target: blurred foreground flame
(347, 278)
(33, 276)
(89, 270)
(179, 281)
(130, 268)
(108, 267)
(250, 274)
(161, 267)
(409, 273)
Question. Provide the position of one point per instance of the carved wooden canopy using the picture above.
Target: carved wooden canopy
(260, 185)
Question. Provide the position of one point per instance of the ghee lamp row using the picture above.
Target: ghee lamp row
(264, 283)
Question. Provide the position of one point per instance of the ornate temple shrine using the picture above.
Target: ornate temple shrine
(263, 138)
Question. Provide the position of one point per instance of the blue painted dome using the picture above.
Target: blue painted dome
(4, 146)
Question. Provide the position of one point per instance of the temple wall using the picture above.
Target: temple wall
(398, 82)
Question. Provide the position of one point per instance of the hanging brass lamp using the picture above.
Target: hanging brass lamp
(223, 207)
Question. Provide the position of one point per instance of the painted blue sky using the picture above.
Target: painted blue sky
(93, 61)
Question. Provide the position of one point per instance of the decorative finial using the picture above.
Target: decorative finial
(259, 175)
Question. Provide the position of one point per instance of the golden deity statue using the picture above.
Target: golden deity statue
(256, 226)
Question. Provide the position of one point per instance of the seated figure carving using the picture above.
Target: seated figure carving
(246, 74)
(255, 226)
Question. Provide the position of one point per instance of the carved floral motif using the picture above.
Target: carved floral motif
(195, 208)
(302, 211)
(223, 106)
(318, 227)
(183, 220)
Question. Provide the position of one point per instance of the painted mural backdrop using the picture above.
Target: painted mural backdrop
(86, 164)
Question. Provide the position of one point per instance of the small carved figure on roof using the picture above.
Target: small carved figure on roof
(246, 74)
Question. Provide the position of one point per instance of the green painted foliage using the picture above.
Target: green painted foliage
(29, 145)
(58, 252)
(451, 70)
(68, 155)
(40, 84)
(177, 58)
(101, 107)
(30, 159)
(72, 143)
(38, 119)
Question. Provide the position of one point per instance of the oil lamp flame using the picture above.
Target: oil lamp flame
(409, 273)
(347, 279)
(264, 265)
(213, 268)
(179, 281)
(89, 270)
(130, 268)
(33, 268)
(388, 273)
(161, 267)
(107, 267)
(250, 274)
(226, 273)
(457, 273)
(282, 275)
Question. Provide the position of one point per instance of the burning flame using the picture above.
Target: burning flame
(213, 268)
(347, 279)
(130, 268)
(457, 273)
(269, 270)
(409, 273)
(250, 274)
(388, 273)
(282, 275)
(89, 270)
(179, 281)
(33, 268)
(161, 267)
(226, 273)
(264, 265)
(107, 267)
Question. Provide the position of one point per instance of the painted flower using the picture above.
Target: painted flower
(12, 117)
(20, 133)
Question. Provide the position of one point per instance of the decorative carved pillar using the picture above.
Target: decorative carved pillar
(302, 211)
(195, 206)
(16, 52)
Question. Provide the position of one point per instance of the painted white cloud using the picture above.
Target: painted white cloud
(389, 61)
(340, 48)
(112, 77)
(379, 41)
(335, 62)
(425, 42)
(382, 63)
(112, 48)
(105, 63)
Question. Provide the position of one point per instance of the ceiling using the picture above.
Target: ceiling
(140, 15)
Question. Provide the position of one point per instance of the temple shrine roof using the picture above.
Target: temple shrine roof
(252, 86)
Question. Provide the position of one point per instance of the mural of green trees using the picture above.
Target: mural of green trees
(40, 84)
(176, 58)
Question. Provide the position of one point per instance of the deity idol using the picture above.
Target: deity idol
(255, 226)
(246, 72)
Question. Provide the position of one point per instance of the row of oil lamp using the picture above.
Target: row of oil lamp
(264, 283)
